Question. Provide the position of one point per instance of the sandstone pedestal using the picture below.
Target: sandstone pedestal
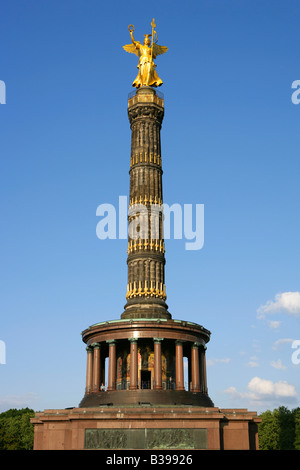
(146, 427)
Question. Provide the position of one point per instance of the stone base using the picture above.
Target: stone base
(146, 427)
(149, 397)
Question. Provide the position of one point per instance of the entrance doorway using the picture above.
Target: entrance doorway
(145, 379)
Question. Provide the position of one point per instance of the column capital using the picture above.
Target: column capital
(111, 342)
(89, 349)
(95, 345)
(196, 345)
(158, 340)
(133, 340)
(179, 342)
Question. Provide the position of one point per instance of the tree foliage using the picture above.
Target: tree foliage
(16, 431)
(280, 429)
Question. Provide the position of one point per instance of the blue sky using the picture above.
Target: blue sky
(230, 141)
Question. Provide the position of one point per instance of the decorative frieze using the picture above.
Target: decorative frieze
(158, 291)
(146, 200)
(146, 245)
(145, 157)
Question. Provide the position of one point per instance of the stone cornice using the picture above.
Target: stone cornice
(146, 328)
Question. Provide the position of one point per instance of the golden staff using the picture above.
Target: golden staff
(153, 32)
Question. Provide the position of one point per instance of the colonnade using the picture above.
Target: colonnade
(95, 366)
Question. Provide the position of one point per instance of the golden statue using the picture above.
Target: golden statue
(147, 75)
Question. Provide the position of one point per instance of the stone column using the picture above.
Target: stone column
(146, 296)
(96, 367)
(133, 364)
(112, 365)
(89, 370)
(102, 369)
(203, 370)
(157, 364)
(195, 368)
(179, 366)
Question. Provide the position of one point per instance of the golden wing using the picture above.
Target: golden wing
(132, 49)
(158, 50)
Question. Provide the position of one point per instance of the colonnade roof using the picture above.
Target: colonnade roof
(136, 320)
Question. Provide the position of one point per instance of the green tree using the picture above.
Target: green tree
(16, 431)
(279, 429)
(297, 429)
(286, 420)
(268, 432)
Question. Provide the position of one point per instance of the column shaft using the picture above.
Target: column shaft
(112, 366)
(96, 368)
(157, 364)
(195, 368)
(133, 364)
(89, 370)
(204, 372)
(146, 249)
(179, 366)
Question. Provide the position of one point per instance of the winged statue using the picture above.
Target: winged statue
(146, 52)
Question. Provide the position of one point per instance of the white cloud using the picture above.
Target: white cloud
(212, 362)
(252, 364)
(281, 341)
(287, 302)
(232, 391)
(274, 324)
(278, 365)
(265, 390)
(18, 401)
